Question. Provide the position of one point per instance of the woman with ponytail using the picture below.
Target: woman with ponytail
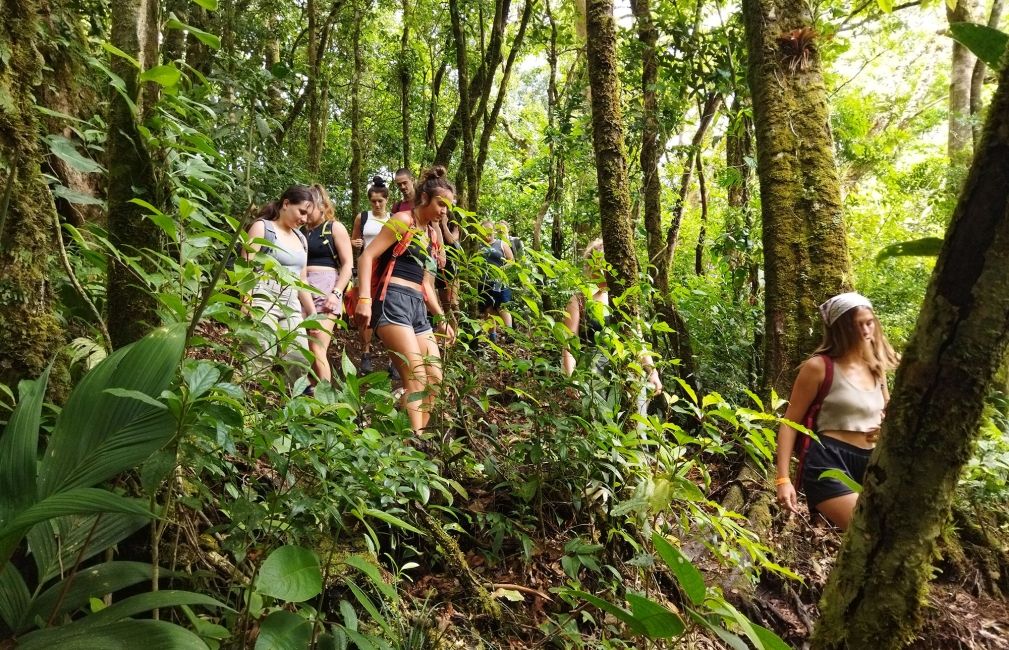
(276, 303)
(367, 225)
(402, 264)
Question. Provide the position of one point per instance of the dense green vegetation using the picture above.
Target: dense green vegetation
(160, 488)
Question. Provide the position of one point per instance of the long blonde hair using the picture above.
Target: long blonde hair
(843, 336)
(322, 200)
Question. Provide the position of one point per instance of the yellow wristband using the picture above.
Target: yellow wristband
(364, 299)
(782, 480)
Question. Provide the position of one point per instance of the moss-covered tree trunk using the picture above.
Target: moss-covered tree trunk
(651, 189)
(608, 144)
(405, 80)
(805, 252)
(132, 308)
(31, 332)
(977, 75)
(469, 194)
(961, 137)
(875, 592)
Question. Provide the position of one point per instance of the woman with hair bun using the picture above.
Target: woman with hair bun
(397, 305)
(329, 267)
(278, 305)
(848, 373)
(367, 225)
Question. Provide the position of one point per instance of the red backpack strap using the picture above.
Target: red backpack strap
(809, 420)
(399, 249)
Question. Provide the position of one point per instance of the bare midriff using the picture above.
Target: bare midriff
(861, 439)
(406, 283)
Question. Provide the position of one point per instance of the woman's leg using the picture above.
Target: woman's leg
(432, 371)
(407, 357)
(572, 315)
(318, 343)
(839, 509)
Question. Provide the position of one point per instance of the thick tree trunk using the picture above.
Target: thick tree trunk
(356, 154)
(608, 144)
(404, 82)
(650, 181)
(469, 198)
(132, 308)
(805, 251)
(31, 332)
(978, 74)
(961, 137)
(875, 591)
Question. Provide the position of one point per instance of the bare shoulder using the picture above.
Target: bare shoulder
(813, 368)
(338, 228)
(257, 229)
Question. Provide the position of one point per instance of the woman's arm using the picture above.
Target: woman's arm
(256, 231)
(394, 229)
(507, 250)
(442, 326)
(572, 315)
(804, 391)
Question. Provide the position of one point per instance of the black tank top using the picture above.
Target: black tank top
(412, 264)
(321, 247)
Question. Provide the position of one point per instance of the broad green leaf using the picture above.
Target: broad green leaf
(164, 75)
(99, 435)
(209, 5)
(58, 543)
(73, 196)
(369, 606)
(886, 6)
(925, 247)
(370, 570)
(65, 150)
(291, 574)
(838, 475)
(283, 630)
(770, 640)
(208, 39)
(19, 449)
(137, 395)
(687, 575)
(130, 607)
(636, 626)
(393, 520)
(659, 622)
(125, 635)
(984, 42)
(14, 596)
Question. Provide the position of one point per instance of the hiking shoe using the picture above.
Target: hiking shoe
(366, 366)
(393, 373)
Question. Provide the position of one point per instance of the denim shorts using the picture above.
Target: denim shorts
(831, 453)
(492, 298)
(403, 306)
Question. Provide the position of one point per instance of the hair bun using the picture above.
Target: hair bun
(377, 181)
(434, 173)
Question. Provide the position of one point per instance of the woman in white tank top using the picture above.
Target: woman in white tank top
(362, 235)
(854, 357)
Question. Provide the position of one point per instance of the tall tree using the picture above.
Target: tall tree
(469, 195)
(608, 144)
(805, 252)
(405, 66)
(650, 182)
(132, 308)
(356, 153)
(978, 74)
(31, 332)
(961, 135)
(874, 595)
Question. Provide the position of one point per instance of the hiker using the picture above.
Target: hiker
(278, 305)
(367, 225)
(397, 294)
(588, 316)
(846, 378)
(494, 291)
(328, 269)
(404, 182)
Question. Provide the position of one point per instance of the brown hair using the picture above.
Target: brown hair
(378, 186)
(322, 200)
(431, 180)
(294, 195)
(843, 336)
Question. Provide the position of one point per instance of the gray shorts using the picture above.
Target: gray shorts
(404, 307)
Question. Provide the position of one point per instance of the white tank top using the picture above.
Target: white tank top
(850, 408)
(372, 227)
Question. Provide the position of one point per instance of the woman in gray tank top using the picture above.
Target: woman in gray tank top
(848, 372)
(277, 305)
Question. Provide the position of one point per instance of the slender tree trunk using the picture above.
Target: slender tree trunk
(315, 136)
(978, 74)
(739, 219)
(549, 200)
(430, 139)
(874, 595)
(469, 198)
(271, 57)
(31, 332)
(703, 187)
(608, 144)
(651, 182)
(961, 136)
(132, 308)
(355, 116)
(405, 66)
(805, 251)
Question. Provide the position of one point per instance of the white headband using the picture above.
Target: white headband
(831, 310)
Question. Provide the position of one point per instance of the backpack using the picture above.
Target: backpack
(802, 441)
(332, 239)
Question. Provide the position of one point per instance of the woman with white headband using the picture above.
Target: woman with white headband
(846, 377)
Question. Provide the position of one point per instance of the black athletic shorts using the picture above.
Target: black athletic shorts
(831, 453)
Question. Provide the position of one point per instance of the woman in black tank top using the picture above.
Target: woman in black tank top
(397, 294)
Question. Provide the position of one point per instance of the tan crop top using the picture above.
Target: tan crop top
(850, 408)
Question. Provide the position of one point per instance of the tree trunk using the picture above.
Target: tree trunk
(739, 220)
(430, 140)
(132, 308)
(650, 180)
(961, 136)
(875, 591)
(404, 82)
(31, 332)
(315, 136)
(977, 75)
(805, 251)
(469, 197)
(608, 144)
(355, 117)
(703, 188)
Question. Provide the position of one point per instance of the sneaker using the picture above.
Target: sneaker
(393, 373)
(366, 366)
